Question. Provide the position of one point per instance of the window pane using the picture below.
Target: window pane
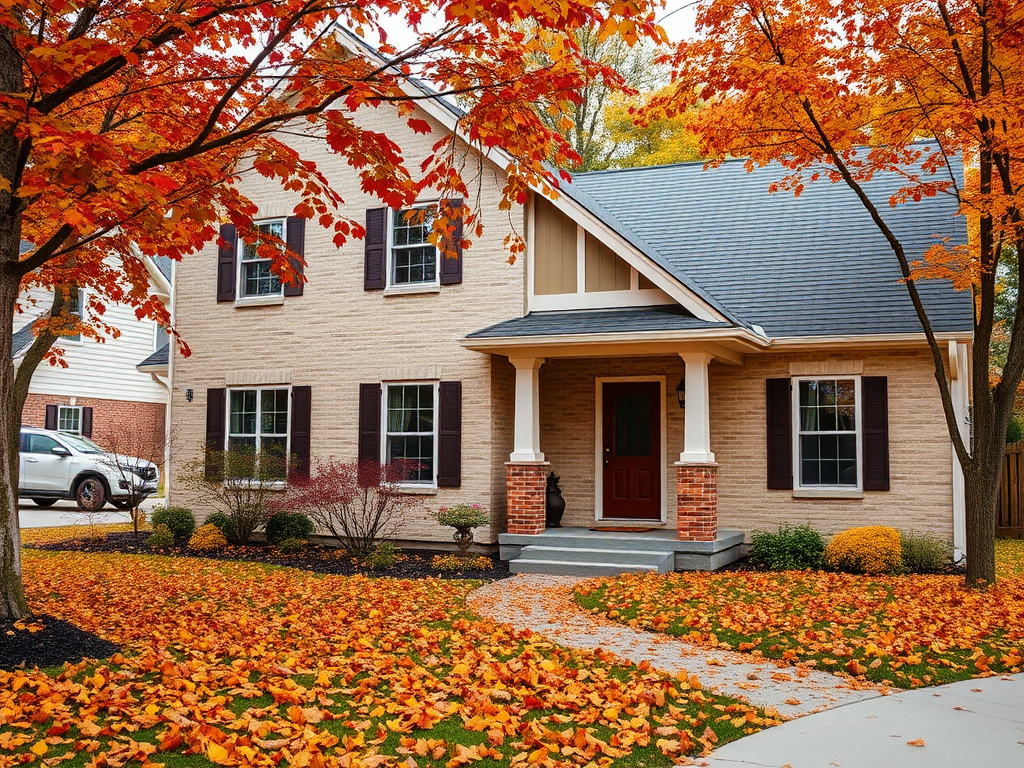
(847, 418)
(848, 447)
(809, 419)
(41, 444)
(273, 458)
(241, 458)
(847, 472)
(845, 392)
(274, 412)
(632, 425)
(809, 473)
(414, 455)
(242, 412)
(828, 447)
(808, 393)
(259, 280)
(809, 447)
(829, 472)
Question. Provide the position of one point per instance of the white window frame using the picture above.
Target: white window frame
(77, 340)
(390, 284)
(385, 386)
(259, 414)
(240, 261)
(76, 408)
(827, 490)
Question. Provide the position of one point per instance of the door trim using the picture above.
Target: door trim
(599, 383)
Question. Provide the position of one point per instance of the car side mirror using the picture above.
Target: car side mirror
(60, 450)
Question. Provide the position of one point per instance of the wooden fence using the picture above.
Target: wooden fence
(1010, 519)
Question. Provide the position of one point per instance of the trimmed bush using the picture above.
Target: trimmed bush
(924, 552)
(160, 538)
(872, 549)
(291, 546)
(462, 516)
(178, 520)
(224, 525)
(206, 538)
(288, 525)
(384, 556)
(455, 563)
(791, 548)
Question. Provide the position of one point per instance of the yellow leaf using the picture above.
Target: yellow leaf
(40, 748)
(216, 753)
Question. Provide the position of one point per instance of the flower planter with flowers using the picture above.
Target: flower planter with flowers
(463, 518)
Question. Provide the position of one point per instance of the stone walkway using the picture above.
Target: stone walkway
(545, 605)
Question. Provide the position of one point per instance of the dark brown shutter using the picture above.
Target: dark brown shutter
(449, 435)
(369, 434)
(87, 422)
(302, 412)
(779, 415)
(296, 240)
(451, 266)
(51, 416)
(874, 391)
(215, 425)
(226, 263)
(375, 249)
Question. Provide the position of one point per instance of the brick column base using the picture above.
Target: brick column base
(697, 501)
(527, 485)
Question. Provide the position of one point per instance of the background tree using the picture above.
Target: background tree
(123, 124)
(648, 140)
(807, 82)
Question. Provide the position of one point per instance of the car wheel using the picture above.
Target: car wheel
(91, 495)
(44, 502)
(121, 504)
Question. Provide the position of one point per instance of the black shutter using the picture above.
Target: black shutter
(874, 392)
(215, 424)
(449, 437)
(87, 422)
(451, 266)
(226, 263)
(302, 407)
(375, 248)
(369, 434)
(51, 417)
(779, 415)
(296, 240)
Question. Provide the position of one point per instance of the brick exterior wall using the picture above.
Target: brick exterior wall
(697, 499)
(527, 495)
(131, 428)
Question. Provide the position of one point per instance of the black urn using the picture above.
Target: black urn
(555, 506)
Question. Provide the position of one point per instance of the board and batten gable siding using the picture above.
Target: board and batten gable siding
(337, 335)
(95, 370)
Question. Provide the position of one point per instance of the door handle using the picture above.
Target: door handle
(31, 460)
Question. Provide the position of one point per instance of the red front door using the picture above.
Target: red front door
(631, 453)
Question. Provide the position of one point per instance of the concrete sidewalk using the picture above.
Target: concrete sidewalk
(970, 724)
(68, 513)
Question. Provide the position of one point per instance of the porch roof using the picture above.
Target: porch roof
(581, 322)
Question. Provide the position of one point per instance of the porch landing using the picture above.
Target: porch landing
(582, 552)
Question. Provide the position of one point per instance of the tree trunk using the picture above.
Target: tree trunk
(981, 492)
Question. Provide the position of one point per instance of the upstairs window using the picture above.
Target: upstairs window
(255, 277)
(75, 305)
(828, 432)
(413, 257)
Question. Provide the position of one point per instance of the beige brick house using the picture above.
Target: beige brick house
(695, 358)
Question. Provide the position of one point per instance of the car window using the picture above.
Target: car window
(40, 444)
(82, 444)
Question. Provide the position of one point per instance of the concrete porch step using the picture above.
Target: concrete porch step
(571, 568)
(660, 561)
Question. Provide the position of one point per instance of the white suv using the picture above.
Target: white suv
(56, 465)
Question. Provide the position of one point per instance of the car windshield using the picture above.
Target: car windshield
(81, 444)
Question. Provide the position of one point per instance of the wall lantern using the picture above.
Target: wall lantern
(681, 392)
(188, 395)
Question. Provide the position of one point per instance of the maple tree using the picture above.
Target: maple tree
(123, 124)
(645, 139)
(845, 90)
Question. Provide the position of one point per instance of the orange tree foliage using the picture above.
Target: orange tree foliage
(841, 90)
(908, 631)
(123, 125)
(238, 664)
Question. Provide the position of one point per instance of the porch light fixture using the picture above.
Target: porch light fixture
(681, 392)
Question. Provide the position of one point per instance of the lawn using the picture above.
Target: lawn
(908, 631)
(237, 663)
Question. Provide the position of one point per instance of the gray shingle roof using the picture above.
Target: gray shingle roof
(578, 322)
(22, 339)
(157, 359)
(811, 265)
(163, 263)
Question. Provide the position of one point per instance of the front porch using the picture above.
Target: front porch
(577, 551)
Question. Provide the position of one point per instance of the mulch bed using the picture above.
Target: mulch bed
(415, 563)
(44, 641)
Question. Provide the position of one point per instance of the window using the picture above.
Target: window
(255, 277)
(258, 433)
(828, 432)
(162, 338)
(413, 257)
(40, 443)
(76, 301)
(69, 419)
(409, 430)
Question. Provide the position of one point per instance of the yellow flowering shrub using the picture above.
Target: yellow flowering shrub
(872, 549)
(207, 537)
(460, 563)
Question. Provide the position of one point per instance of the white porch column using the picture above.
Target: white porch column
(959, 390)
(526, 446)
(697, 418)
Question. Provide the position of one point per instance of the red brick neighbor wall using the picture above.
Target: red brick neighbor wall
(697, 497)
(527, 493)
(129, 427)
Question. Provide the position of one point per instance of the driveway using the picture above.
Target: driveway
(67, 513)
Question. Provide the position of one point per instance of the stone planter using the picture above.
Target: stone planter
(463, 537)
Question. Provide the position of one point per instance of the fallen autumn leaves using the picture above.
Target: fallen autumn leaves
(243, 664)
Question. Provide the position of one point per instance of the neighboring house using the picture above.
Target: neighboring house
(779, 322)
(114, 392)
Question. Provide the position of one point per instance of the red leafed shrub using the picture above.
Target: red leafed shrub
(357, 503)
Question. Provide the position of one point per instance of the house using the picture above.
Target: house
(115, 392)
(695, 358)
